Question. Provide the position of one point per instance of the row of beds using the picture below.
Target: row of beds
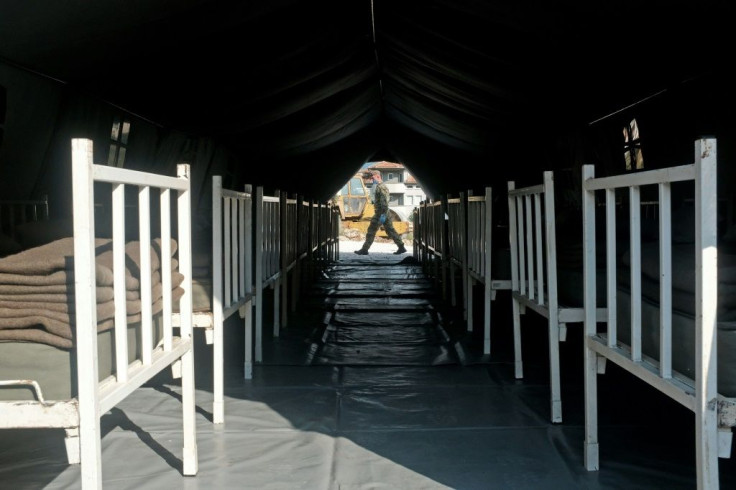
(85, 320)
(665, 267)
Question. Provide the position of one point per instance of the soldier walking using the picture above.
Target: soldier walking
(381, 216)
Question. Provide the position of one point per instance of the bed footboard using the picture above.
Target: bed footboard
(155, 269)
(97, 398)
(480, 247)
(534, 276)
(714, 415)
(232, 280)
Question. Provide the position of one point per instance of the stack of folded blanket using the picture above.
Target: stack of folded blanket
(37, 301)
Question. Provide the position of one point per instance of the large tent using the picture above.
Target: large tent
(295, 96)
(454, 90)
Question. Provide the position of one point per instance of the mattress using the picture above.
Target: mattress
(683, 349)
(202, 275)
(683, 278)
(202, 294)
(55, 368)
(570, 274)
(37, 301)
(683, 310)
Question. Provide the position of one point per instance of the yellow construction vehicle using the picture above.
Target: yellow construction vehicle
(356, 208)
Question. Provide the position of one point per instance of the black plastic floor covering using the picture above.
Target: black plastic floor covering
(374, 383)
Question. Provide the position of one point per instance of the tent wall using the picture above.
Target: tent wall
(42, 117)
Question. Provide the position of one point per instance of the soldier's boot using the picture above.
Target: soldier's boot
(401, 250)
(366, 245)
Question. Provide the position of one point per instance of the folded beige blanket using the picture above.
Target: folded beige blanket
(65, 303)
(59, 256)
(64, 293)
(58, 330)
(37, 299)
(8, 282)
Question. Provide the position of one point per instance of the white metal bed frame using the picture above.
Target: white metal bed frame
(478, 243)
(289, 254)
(531, 251)
(714, 414)
(288, 231)
(430, 241)
(232, 282)
(466, 245)
(80, 416)
(267, 262)
(456, 250)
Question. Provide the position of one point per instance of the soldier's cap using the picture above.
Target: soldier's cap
(369, 174)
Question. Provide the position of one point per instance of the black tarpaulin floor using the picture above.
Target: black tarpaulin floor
(374, 383)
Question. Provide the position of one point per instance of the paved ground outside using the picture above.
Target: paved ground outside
(379, 251)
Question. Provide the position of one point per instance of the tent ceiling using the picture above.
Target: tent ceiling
(441, 85)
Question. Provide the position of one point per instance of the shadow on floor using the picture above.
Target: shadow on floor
(374, 383)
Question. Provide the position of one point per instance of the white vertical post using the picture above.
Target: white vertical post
(285, 256)
(144, 211)
(224, 249)
(234, 269)
(248, 228)
(529, 246)
(184, 226)
(520, 245)
(515, 287)
(296, 241)
(469, 237)
(552, 320)
(119, 289)
(635, 251)
(611, 267)
(218, 222)
(86, 313)
(442, 242)
(488, 254)
(540, 248)
(591, 451)
(275, 262)
(665, 281)
(258, 292)
(166, 254)
(451, 245)
(241, 249)
(463, 239)
(706, 304)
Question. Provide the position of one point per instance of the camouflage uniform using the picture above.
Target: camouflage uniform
(380, 204)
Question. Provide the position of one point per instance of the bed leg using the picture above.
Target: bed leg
(591, 456)
(590, 447)
(218, 411)
(209, 336)
(725, 438)
(190, 462)
(469, 304)
(553, 335)
(518, 366)
(453, 294)
(276, 286)
(601, 367)
(72, 445)
(176, 369)
(248, 365)
(562, 332)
